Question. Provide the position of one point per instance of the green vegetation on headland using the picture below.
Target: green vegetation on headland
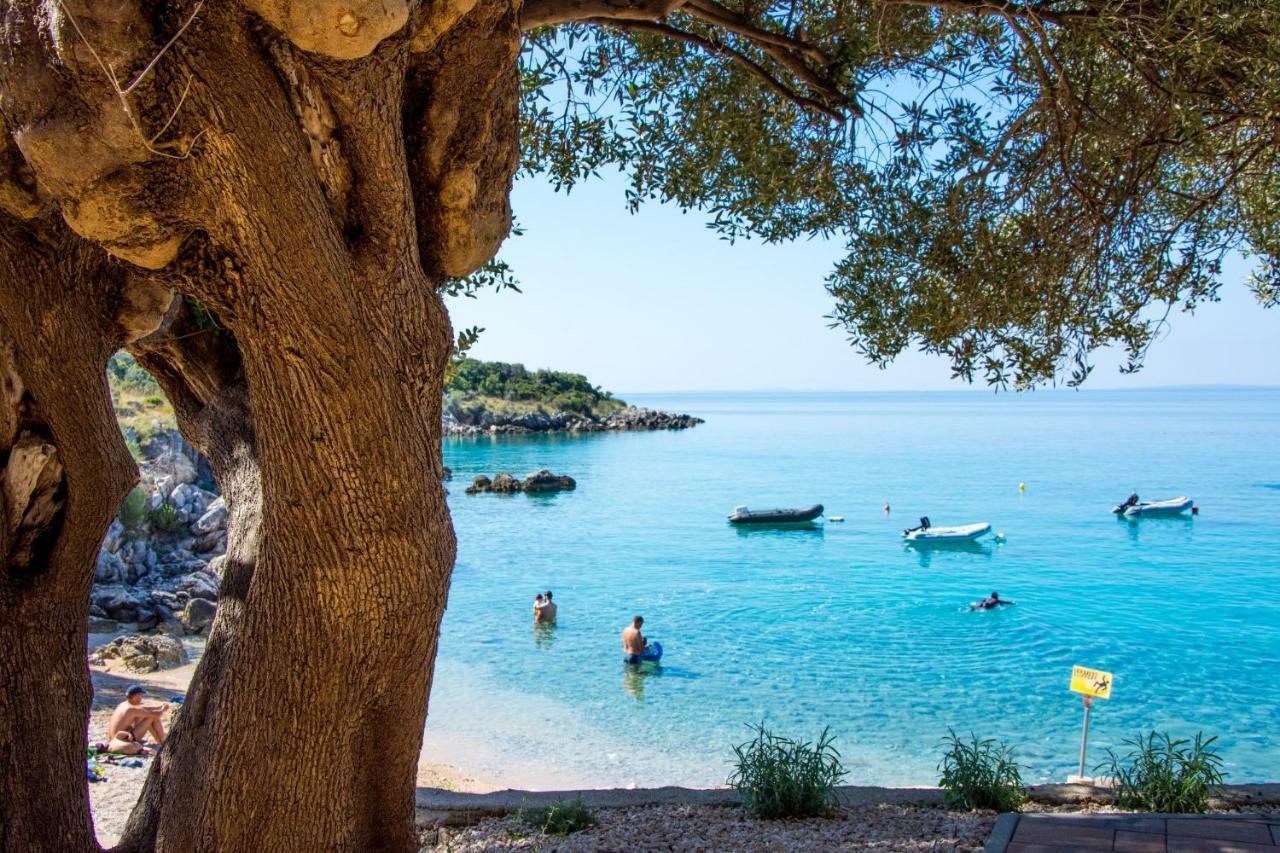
(511, 389)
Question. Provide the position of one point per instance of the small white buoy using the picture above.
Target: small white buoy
(1022, 487)
(835, 518)
(999, 537)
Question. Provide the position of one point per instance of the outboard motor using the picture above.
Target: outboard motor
(924, 522)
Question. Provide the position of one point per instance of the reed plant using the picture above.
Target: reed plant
(980, 774)
(777, 777)
(1161, 774)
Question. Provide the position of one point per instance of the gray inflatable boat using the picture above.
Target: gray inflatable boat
(742, 515)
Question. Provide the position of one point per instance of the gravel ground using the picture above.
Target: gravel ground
(705, 828)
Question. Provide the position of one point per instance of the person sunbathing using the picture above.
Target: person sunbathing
(132, 721)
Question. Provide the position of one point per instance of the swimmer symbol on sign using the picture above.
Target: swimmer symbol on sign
(1102, 684)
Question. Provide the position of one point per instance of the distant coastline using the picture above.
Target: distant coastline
(494, 397)
(476, 419)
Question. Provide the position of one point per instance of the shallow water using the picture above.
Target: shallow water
(843, 625)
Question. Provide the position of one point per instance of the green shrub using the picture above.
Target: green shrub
(561, 818)
(165, 517)
(154, 401)
(133, 512)
(515, 383)
(1161, 774)
(980, 774)
(777, 777)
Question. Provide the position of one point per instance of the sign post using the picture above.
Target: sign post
(1089, 683)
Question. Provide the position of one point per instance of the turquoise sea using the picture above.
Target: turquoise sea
(844, 626)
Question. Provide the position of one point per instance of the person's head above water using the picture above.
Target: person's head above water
(637, 622)
(995, 596)
(548, 595)
(538, 597)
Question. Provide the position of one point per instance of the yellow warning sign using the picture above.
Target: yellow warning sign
(1091, 682)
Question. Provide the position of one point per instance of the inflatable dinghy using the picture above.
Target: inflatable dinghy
(742, 515)
(1174, 506)
(962, 533)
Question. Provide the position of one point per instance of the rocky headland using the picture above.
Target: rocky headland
(477, 419)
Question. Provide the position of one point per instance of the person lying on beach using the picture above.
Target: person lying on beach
(546, 612)
(633, 642)
(991, 603)
(132, 721)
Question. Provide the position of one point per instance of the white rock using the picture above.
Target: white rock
(183, 494)
(214, 518)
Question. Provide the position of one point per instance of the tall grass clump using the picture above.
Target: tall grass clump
(165, 518)
(560, 818)
(980, 774)
(1161, 774)
(777, 777)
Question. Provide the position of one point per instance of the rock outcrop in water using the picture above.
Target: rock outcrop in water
(476, 419)
(539, 482)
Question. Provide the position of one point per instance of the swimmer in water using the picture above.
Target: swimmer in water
(991, 603)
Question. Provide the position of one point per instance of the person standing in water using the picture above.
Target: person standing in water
(546, 612)
(633, 642)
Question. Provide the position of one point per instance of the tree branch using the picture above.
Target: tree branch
(716, 47)
(786, 51)
(734, 22)
(539, 13)
(998, 7)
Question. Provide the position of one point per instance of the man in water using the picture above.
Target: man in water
(132, 721)
(991, 603)
(547, 612)
(633, 642)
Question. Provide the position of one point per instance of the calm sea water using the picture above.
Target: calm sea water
(846, 627)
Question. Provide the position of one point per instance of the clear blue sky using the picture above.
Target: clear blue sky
(657, 302)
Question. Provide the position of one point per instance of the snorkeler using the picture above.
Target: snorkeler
(990, 603)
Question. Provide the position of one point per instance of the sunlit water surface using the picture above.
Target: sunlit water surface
(845, 627)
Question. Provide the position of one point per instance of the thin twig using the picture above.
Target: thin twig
(148, 142)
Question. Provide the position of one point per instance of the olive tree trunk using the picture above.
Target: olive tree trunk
(63, 471)
(312, 194)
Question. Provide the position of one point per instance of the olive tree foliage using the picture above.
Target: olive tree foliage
(1018, 184)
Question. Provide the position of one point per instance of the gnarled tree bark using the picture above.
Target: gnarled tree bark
(63, 470)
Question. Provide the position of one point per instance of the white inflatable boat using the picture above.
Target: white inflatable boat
(1175, 506)
(962, 533)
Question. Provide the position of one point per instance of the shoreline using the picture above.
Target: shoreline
(466, 778)
(112, 800)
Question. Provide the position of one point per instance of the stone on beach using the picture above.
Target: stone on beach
(139, 653)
